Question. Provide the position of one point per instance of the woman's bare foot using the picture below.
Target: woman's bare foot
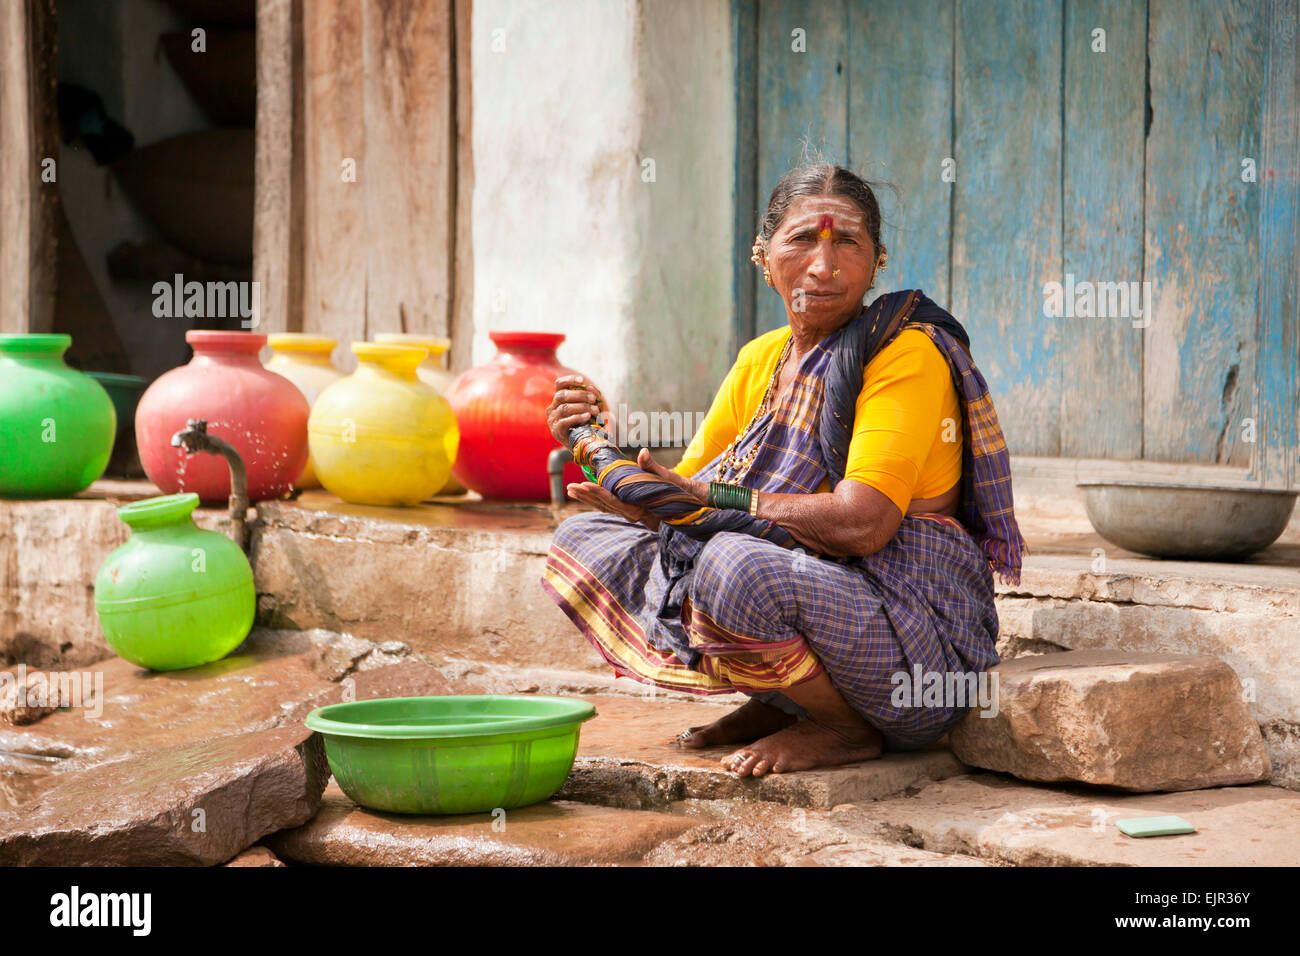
(752, 720)
(805, 745)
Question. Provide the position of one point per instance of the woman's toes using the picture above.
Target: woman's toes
(739, 762)
(761, 767)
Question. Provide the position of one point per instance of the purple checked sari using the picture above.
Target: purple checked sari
(718, 601)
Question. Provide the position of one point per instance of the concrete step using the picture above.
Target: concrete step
(627, 758)
(999, 819)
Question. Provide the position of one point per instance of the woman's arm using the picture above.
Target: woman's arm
(854, 519)
(899, 413)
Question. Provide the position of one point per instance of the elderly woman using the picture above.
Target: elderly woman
(832, 530)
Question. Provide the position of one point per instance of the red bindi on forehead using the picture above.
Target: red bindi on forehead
(824, 226)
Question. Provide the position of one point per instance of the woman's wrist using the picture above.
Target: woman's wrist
(723, 494)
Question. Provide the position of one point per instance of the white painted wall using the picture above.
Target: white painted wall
(570, 96)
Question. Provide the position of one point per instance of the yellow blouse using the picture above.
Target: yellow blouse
(907, 432)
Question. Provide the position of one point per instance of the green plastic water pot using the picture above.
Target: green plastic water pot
(174, 595)
(56, 424)
(443, 755)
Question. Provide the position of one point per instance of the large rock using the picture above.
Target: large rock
(1139, 722)
(117, 780)
(198, 803)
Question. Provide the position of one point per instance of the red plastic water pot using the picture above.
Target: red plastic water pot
(260, 413)
(501, 410)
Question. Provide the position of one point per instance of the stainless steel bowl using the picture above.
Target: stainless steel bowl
(1185, 521)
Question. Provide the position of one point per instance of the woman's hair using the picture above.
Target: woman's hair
(822, 179)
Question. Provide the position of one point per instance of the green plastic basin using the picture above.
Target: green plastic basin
(442, 755)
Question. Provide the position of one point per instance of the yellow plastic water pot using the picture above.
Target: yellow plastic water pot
(381, 436)
(304, 360)
(430, 372)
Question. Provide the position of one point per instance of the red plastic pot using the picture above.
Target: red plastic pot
(260, 413)
(501, 410)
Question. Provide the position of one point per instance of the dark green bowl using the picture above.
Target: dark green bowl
(442, 755)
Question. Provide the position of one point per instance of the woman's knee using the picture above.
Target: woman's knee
(580, 528)
(733, 566)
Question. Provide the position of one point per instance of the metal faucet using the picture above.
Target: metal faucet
(193, 438)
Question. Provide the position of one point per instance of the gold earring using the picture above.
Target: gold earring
(759, 259)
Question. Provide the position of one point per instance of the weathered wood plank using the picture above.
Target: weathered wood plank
(277, 214)
(900, 131)
(29, 207)
(802, 101)
(334, 212)
(1007, 208)
(745, 199)
(462, 316)
(1202, 228)
(409, 203)
(1275, 464)
(1104, 140)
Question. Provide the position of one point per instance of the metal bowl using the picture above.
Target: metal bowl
(1185, 521)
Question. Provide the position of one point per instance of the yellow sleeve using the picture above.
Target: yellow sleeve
(738, 396)
(907, 393)
(717, 430)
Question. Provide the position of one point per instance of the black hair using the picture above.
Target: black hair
(822, 179)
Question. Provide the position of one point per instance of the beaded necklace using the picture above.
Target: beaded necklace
(728, 459)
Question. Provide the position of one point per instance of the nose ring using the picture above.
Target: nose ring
(835, 273)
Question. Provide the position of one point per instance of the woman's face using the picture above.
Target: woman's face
(822, 260)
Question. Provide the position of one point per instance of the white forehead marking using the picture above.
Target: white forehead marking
(814, 207)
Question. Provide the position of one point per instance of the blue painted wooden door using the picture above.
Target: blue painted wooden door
(1028, 142)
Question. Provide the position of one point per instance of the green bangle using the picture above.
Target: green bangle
(724, 494)
(591, 475)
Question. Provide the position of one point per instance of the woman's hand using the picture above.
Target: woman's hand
(588, 492)
(593, 494)
(575, 403)
(698, 490)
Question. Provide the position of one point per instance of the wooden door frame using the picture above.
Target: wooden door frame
(279, 239)
(1275, 463)
(29, 135)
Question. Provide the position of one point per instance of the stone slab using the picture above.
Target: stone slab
(113, 782)
(742, 833)
(998, 819)
(554, 833)
(1137, 722)
(272, 679)
(627, 758)
(197, 803)
(257, 856)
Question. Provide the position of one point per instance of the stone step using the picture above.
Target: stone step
(554, 833)
(627, 758)
(744, 833)
(561, 832)
(460, 583)
(1000, 819)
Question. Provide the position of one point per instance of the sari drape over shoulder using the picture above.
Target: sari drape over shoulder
(718, 601)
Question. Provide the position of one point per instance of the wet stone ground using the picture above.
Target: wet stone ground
(213, 766)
